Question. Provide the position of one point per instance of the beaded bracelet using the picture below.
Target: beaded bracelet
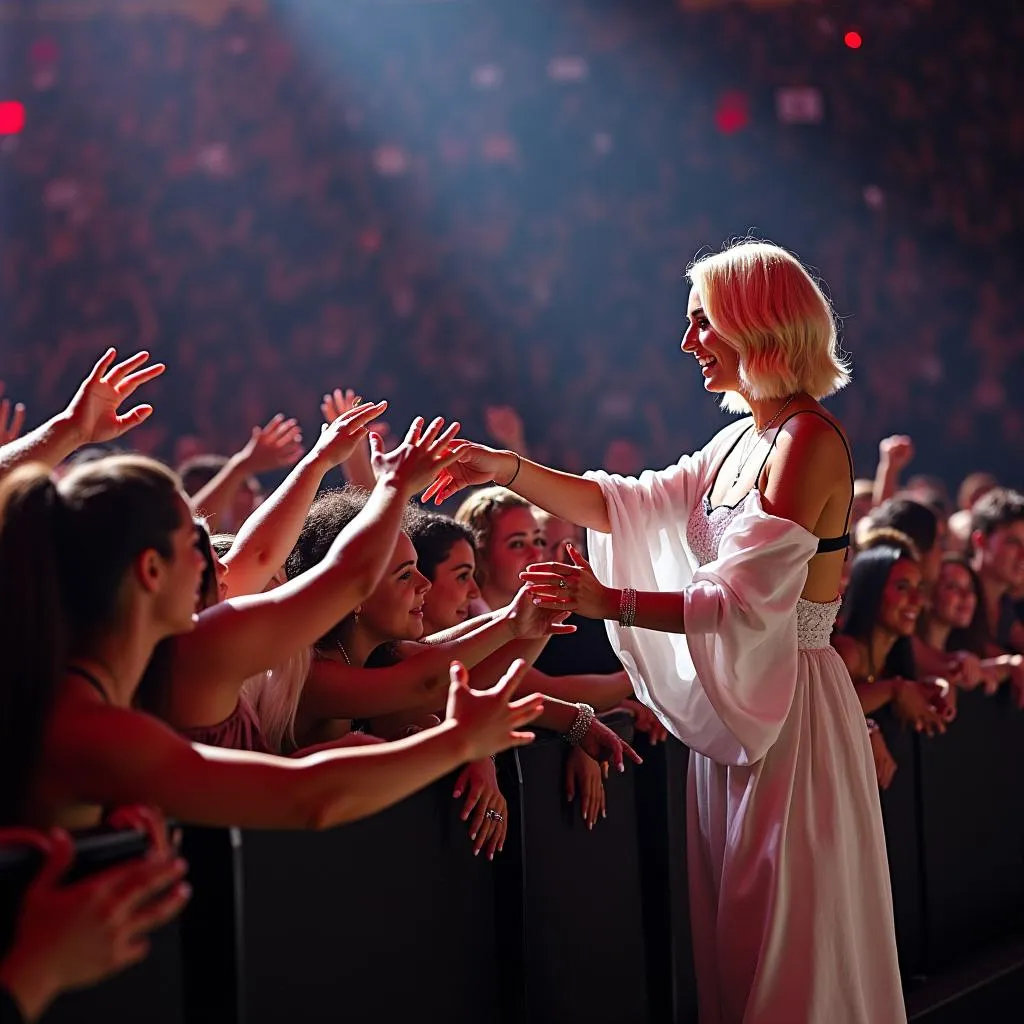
(627, 607)
(581, 725)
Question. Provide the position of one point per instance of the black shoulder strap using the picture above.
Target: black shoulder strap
(77, 670)
(849, 454)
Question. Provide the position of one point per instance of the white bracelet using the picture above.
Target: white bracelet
(627, 607)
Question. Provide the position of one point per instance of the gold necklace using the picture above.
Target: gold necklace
(759, 436)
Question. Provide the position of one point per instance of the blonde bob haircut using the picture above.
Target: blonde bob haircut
(763, 303)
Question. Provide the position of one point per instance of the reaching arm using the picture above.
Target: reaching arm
(91, 417)
(893, 455)
(241, 637)
(98, 754)
(270, 447)
(270, 533)
(567, 496)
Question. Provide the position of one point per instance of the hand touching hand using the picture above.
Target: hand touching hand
(93, 412)
(573, 588)
(273, 446)
(528, 621)
(473, 464)
(418, 459)
(487, 720)
(913, 707)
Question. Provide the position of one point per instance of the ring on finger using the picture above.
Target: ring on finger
(562, 584)
(494, 815)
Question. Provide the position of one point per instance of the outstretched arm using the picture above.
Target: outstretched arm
(270, 533)
(91, 417)
(564, 495)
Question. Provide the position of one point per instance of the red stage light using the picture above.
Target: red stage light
(853, 40)
(12, 117)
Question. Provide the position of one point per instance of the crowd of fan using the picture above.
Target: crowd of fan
(502, 198)
(233, 205)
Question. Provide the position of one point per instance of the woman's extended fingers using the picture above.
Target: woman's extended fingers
(445, 439)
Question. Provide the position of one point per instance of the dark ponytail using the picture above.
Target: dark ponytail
(33, 628)
(66, 551)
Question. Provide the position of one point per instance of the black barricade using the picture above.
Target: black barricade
(388, 919)
(151, 990)
(900, 815)
(972, 827)
(583, 900)
(660, 784)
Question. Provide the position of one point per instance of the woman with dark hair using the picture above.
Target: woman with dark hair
(883, 600)
(373, 664)
(950, 639)
(95, 571)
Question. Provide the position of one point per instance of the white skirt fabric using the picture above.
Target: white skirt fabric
(790, 903)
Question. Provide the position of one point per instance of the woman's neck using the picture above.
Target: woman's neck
(118, 661)
(765, 410)
(359, 643)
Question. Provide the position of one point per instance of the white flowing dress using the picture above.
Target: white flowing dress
(790, 903)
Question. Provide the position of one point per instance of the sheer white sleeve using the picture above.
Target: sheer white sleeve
(725, 687)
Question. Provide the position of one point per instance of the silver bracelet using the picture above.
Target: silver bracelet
(627, 607)
(581, 725)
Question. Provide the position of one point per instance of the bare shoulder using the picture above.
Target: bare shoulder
(810, 463)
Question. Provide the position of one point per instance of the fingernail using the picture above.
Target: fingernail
(457, 793)
(185, 889)
(472, 835)
(476, 853)
(490, 856)
(604, 814)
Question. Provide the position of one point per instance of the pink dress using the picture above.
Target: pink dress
(790, 903)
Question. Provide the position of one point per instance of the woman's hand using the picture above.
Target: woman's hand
(10, 426)
(487, 720)
(485, 808)
(92, 414)
(645, 720)
(528, 621)
(418, 459)
(70, 936)
(605, 747)
(505, 425)
(348, 431)
(275, 445)
(473, 464)
(583, 775)
(571, 588)
(965, 670)
(913, 707)
(885, 763)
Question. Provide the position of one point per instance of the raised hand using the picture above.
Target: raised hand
(93, 412)
(573, 588)
(273, 446)
(896, 450)
(487, 720)
(339, 402)
(529, 621)
(474, 464)
(10, 425)
(505, 425)
(347, 431)
(419, 458)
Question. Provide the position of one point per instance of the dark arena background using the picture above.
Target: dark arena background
(485, 209)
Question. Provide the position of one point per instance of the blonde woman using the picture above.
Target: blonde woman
(720, 577)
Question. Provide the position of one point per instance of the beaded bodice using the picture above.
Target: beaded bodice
(704, 532)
